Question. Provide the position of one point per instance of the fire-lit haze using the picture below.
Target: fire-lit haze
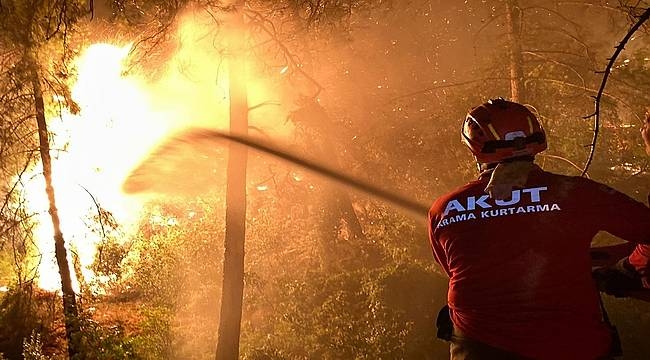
(353, 121)
(123, 119)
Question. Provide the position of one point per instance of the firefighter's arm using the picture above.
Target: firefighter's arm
(629, 276)
(640, 257)
(639, 262)
(608, 255)
(622, 280)
(625, 268)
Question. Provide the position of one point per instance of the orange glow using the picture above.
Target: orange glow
(122, 120)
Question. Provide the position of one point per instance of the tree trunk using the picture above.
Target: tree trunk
(233, 268)
(338, 204)
(513, 19)
(70, 311)
(342, 197)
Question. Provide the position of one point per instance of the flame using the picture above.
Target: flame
(92, 153)
(122, 119)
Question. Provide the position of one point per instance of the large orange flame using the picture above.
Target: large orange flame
(92, 154)
(121, 121)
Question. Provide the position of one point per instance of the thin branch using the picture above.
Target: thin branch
(557, 157)
(579, 3)
(556, 13)
(463, 83)
(154, 40)
(601, 90)
(446, 86)
(631, 87)
(262, 104)
(567, 84)
(487, 23)
(15, 223)
(560, 52)
(99, 210)
(575, 38)
(255, 15)
(566, 66)
(15, 184)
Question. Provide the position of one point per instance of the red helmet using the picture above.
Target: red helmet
(499, 130)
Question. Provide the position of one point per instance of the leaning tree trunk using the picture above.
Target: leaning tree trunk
(338, 252)
(513, 19)
(70, 311)
(338, 204)
(233, 266)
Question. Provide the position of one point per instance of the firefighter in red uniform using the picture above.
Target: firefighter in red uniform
(516, 246)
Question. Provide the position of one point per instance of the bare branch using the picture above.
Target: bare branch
(99, 210)
(290, 57)
(446, 86)
(557, 157)
(556, 13)
(566, 66)
(601, 90)
(560, 52)
(572, 37)
(265, 103)
(15, 184)
(600, 5)
(568, 84)
(487, 23)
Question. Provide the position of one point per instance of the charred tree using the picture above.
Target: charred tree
(338, 203)
(338, 211)
(70, 311)
(337, 207)
(513, 25)
(235, 234)
(38, 29)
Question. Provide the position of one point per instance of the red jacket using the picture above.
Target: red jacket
(520, 270)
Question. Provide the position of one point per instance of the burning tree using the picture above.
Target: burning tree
(31, 31)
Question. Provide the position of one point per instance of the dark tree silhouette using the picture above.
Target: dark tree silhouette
(233, 267)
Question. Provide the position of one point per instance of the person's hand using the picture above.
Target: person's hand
(645, 132)
(618, 280)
